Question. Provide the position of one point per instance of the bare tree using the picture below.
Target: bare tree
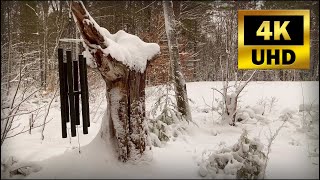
(47, 113)
(9, 51)
(231, 98)
(176, 73)
(10, 112)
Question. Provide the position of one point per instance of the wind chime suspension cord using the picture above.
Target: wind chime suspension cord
(71, 36)
(78, 140)
(69, 134)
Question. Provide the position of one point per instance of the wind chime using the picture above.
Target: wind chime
(69, 71)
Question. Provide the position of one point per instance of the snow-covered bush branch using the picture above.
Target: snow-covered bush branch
(245, 160)
(165, 120)
(230, 98)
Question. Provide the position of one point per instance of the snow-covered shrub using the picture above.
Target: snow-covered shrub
(244, 160)
(231, 96)
(165, 121)
(310, 116)
(272, 103)
(12, 167)
(159, 128)
(245, 114)
(166, 126)
(259, 109)
(266, 102)
(251, 115)
(262, 103)
(218, 108)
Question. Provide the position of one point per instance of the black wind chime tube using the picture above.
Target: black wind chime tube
(84, 94)
(71, 94)
(65, 70)
(86, 90)
(63, 94)
(76, 90)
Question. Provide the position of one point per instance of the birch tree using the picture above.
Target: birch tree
(176, 73)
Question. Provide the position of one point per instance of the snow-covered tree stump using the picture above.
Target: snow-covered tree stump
(121, 58)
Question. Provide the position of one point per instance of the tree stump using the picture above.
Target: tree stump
(125, 86)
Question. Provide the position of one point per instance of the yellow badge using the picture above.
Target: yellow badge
(273, 39)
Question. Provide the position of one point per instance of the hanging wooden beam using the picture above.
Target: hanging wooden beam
(71, 94)
(84, 94)
(63, 94)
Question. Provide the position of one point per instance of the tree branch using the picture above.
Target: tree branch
(28, 129)
(86, 25)
(245, 84)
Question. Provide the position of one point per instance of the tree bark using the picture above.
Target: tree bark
(179, 81)
(45, 7)
(9, 51)
(125, 93)
(126, 105)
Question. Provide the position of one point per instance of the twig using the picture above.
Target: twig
(145, 7)
(13, 115)
(32, 10)
(28, 129)
(218, 91)
(18, 105)
(16, 91)
(47, 113)
(11, 129)
(8, 123)
(245, 84)
(271, 139)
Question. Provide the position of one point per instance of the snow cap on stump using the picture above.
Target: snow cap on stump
(129, 49)
(123, 47)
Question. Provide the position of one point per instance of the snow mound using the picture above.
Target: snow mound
(13, 168)
(251, 115)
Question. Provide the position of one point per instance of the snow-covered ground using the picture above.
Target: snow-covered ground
(295, 152)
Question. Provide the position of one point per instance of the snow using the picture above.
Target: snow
(71, 40)
(124, 47)
(294, 153)
(89, 58)
(115, 97)
(130, 49)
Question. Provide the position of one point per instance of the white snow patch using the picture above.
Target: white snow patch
(295, 153)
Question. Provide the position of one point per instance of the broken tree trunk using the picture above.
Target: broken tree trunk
(125, 89)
